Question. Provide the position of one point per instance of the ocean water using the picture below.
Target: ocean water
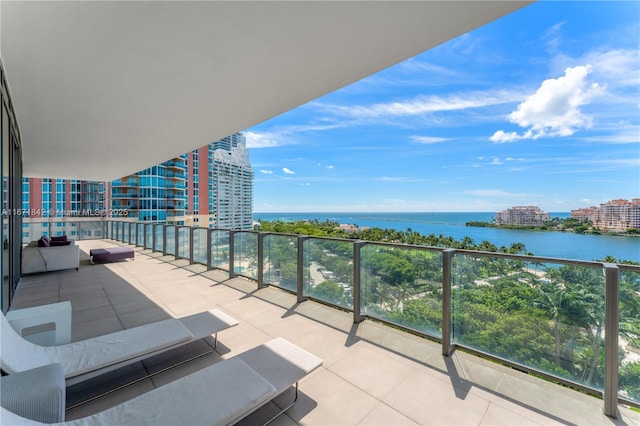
(540, 243)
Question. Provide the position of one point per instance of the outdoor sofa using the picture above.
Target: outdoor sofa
(50, 254)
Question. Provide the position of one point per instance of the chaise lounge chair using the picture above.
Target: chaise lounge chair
(85, 359)
(221, 394)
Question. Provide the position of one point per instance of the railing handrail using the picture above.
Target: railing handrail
(137, 233)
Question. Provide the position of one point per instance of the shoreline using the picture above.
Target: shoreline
(545, 229)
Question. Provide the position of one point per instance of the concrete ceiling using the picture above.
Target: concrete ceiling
(103, 89)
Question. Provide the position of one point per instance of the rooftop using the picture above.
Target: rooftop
(372, 373)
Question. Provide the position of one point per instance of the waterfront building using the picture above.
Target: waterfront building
(220, 185)
(212, 187)
(616, 215)
(49, 205)
(157, 194)
(522, 216)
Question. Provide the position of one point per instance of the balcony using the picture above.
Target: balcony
(372, 373)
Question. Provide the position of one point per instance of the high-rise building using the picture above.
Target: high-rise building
(156, 194)
(615, 215)
(209, 187)
(51, 203)
(522, 216)
(220, 185)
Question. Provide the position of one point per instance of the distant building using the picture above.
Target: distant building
(157, 194)
(220, 185)
(209, 187)
(522, 216)
(615, 215)
(49, 204)
(352, 228)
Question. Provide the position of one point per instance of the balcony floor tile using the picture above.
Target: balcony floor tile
(372, 374)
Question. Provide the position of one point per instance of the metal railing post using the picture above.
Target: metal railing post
(610, 396)
(447, 278)
(176, 242)
(164, 240)
(357, 287)
(191, 232)
(300, 269)
(232, 254)
(209, 254)
(260, 261)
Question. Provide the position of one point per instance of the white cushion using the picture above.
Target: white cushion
(87, 355)
(281, 362)
(220, 394)
(37, 394)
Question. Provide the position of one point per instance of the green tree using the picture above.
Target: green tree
(329, 291)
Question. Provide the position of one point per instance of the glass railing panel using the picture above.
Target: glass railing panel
(148, 231)
(158, 243)
(88, 230)
(170, 244)
(629, 336)
(74, 230)
(140, 234)
(328, 271)
(200, 245)
(548, 317)
(120, 228)
(280, 261)
(245, 249)
(220, 249)
(402, 285)
(132, 233)
(184, 242)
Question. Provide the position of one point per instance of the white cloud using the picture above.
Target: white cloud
(615, 69)
(288, 171)
(421, 105)
(554, 110)
(328, 166)
(552, 37)
(618, 67)
(427, 140)
(266, 172)
(494, 193)
(398, 179)
(263, 140)
(496, 161)
(622, 136)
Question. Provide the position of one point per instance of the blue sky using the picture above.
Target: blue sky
(541, 107)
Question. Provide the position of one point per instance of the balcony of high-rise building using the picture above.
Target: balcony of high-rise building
(100, 90)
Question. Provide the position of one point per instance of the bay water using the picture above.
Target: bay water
(562, 245)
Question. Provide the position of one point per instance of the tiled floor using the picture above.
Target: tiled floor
(372, 374)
